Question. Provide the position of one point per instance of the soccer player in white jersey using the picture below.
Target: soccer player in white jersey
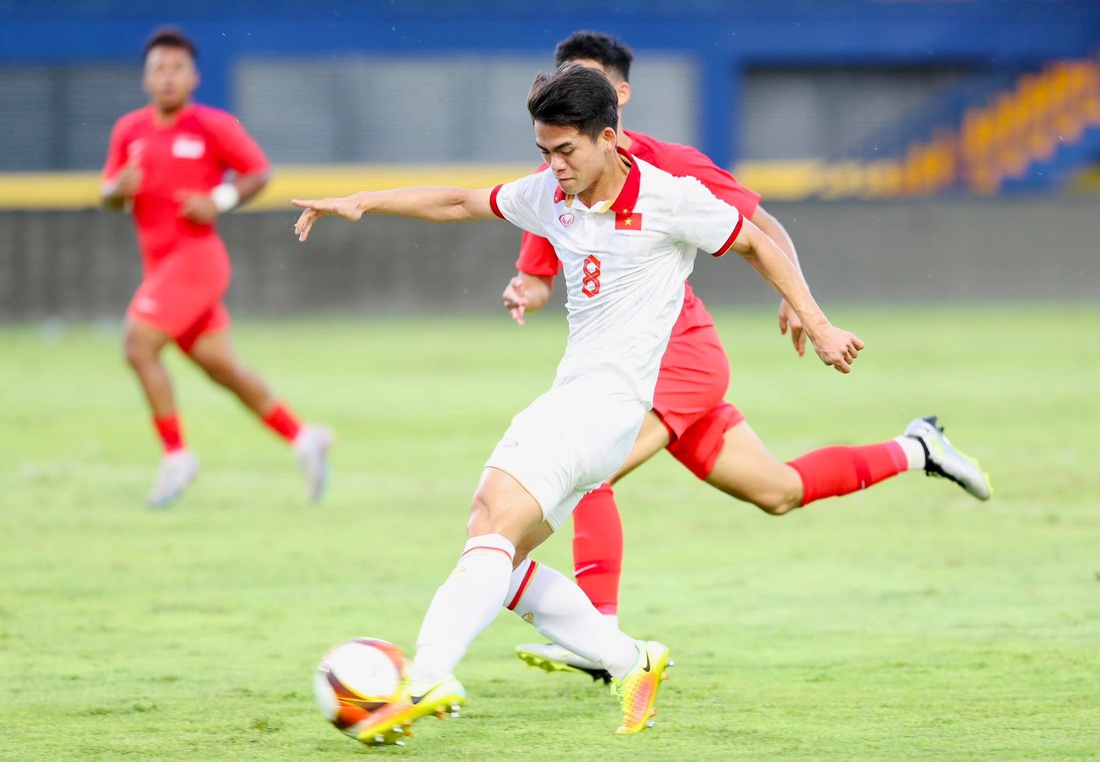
(627, 234)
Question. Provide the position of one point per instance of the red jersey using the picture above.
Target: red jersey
(190, 155)
(537, 256)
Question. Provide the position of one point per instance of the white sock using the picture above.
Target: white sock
(914, 452)
(463, 607)
(613, 619)
(562, 613)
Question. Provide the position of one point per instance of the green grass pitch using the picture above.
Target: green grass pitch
(907, 622)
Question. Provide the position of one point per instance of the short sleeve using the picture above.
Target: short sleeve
(685, 161)
(537, 256)
(521, 201)
(116, 152)
(236, 148)
(704, 221)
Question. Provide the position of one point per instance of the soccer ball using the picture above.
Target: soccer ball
(355, 679)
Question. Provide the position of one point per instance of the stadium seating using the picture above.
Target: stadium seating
(1036, 133)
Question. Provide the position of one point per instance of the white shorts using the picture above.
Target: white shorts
(570, 440)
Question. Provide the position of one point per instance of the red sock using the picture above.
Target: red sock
(839, 470)
(168, 427)
(598, 548)
(283, 422)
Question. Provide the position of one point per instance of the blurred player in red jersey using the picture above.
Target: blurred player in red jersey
(167, 163)
(690, 417)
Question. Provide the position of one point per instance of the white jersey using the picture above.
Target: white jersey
(625, 261)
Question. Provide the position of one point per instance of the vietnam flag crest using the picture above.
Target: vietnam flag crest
(628, 221)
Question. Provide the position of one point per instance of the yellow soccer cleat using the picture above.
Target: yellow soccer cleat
(637, 690)
(390, 724)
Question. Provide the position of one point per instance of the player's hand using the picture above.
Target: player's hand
(198, 207)
(315, 209)
(515, 299)
(837, 347)
(788, 319)
(127, 181)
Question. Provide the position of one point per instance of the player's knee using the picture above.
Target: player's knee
(138, 353)
(494, 514)
(777, 503)
(486, 515)
(776, 508)
(132, 355)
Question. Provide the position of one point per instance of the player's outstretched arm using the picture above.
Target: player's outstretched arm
(788, 318)
(428, 203)
(527, 293)
(835, 346)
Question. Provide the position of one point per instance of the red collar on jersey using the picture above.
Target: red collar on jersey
(628, 196)
(623, 206)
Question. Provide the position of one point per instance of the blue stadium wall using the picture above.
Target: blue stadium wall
(723, 38)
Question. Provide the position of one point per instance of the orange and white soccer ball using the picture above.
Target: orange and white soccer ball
(356, 679)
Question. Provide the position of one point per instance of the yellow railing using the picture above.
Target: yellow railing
(56, 191)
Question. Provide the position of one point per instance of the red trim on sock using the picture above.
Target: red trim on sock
(169, 430)
(523, 585)
(283, 422)
(833, 471)
(598, 548)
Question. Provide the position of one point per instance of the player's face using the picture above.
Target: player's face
(170, 77)
(576, 160)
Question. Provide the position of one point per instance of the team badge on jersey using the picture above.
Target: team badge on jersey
(567, 219)
(188, 147)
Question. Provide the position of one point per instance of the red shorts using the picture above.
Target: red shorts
(689, 398)
(182, 293)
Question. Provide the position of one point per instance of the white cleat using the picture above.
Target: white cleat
(945, 460)
(311, 446)
(174, 475)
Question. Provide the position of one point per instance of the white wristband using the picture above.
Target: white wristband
(225, 197)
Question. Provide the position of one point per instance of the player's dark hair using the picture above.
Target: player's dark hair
(574, 96)
(170, 37)
(610, 52)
